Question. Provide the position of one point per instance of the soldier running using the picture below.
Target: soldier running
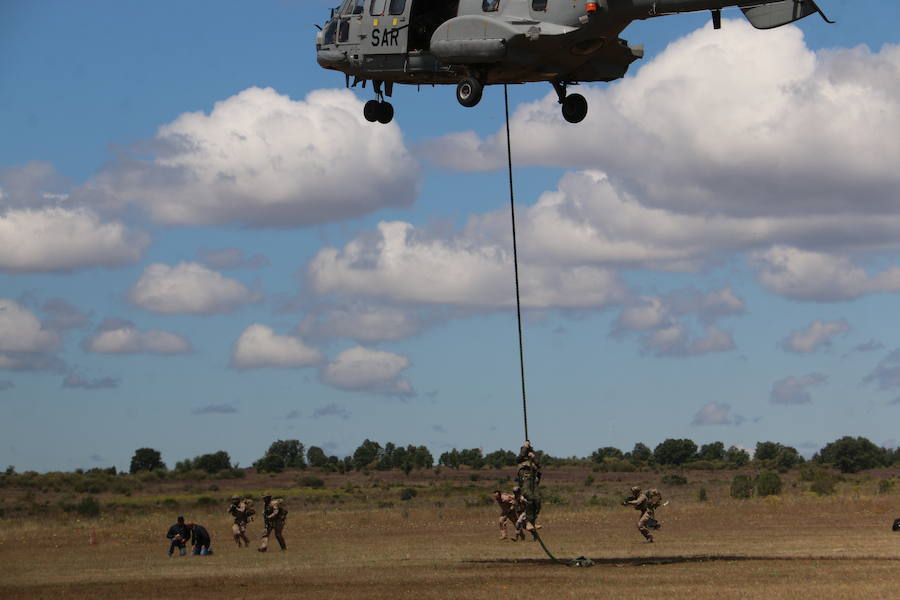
(242, 513)
(647, 502)
(274, 515)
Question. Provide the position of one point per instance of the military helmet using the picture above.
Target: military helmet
(517, 490)
(636, 490)
(235, 498)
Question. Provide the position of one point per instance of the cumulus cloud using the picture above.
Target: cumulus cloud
(715, 413)
(22, 331)
(804, 275)
(331, 410)
(816, 335)
(77, 382)
(117, 336)
(747, 122)
(364, 370)
(261, 159)
(665, 322)
(886, 375)
(259, 346)
(63, 239)
(214, 409)
(363, 322)
(795, 390)
(189, 288)
(400, 263)
(231, 258)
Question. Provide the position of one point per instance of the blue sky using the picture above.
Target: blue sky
(204, 246)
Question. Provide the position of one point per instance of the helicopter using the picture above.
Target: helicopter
(475, 43)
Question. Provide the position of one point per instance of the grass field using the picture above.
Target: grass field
(356, 539)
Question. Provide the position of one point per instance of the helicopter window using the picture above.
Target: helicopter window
(344, 31)
(358, 6)
(490, 5)
(397, 7)
(346, 7)
(377, 8)
(539, 4)
(329, 32)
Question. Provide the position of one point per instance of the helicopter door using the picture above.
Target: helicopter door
(387, 26)
(350, 21)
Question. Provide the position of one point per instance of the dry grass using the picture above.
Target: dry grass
(791, 547)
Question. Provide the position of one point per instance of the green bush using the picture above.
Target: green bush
(408, 494)
(206, 501)
(311, 481)
(674, 479)
(885, 486)
(768, 484)
(88, 507)
(701, 495)
(588, 481)
(741, 487)
(170, 503)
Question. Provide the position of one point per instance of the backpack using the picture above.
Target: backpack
(654, 498)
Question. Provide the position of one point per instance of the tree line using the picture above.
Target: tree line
(848, 454)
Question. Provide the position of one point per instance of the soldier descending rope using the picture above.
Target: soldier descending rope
(528, 476)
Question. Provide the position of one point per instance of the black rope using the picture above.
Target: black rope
(512, 210)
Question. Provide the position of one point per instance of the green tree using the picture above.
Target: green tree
(282, 454)
(601, 454)
(450, 459)
(788, 458)
(147, 459)
(367, 453)
(737, 457)
(851, 455)
(316, 457)
(500, 458)
(213, 463)
(713, 451)
(421, 457)
(675, 452)
(641, 453)
(766, 450)
(472, 457)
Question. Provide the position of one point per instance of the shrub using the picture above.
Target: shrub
(408, 494)
(588, 481)
(674, 479)
(205, 501)
(885, 486)
(170, 503)
(311, 481)
(701, 495)
(741, 487)
(768, 484)
(823, 482)
(88, 507)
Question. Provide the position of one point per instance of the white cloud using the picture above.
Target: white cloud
(259, 347)
(402, 264)
(804, 275)
(188, 288)
(262, 159)
(794, 390)
(64, 239)
(362, 322)
(122, 337)
(364, 370)
(714, 413)
(747, 123)
(819, 333)
(22, 331)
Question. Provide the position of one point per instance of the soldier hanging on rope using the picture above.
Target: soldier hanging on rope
(646, 502)
(528, 476)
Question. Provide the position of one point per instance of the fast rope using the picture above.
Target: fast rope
(580, 561)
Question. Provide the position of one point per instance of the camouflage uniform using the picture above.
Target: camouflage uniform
(242, 513)
(508, 513)
(528, 476)
(274, 515)
(647, 502)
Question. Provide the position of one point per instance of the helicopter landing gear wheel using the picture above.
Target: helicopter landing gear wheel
(468, 92)
(385, 112)
(378, 110)
(371, 110)
(574, 108)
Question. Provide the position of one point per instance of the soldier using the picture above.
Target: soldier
(528, 476)
(646, 502)
(242, 513)
(274, 515)
(179, 534)
(508, 513)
